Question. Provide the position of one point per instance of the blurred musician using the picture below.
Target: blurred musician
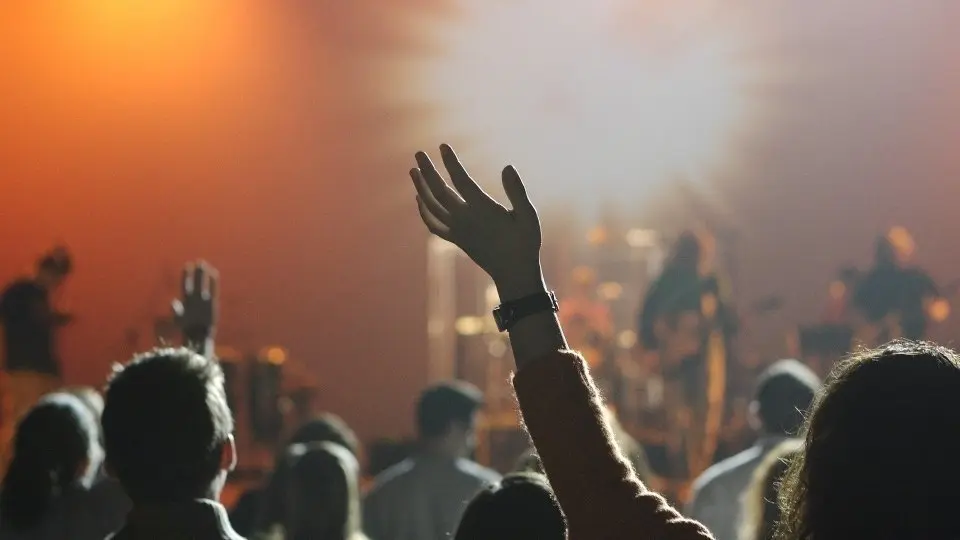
(30, 325)
(688, 321)
(685, 303)
(893, 299)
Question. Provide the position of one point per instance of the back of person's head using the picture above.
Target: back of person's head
(167, 427)
(881, 447)
(520, 507)
(322, 499)
(55, 265)
(327, 427)
(445, 406)
(760, 510)
(784, 392)
(55, 446)
(885, 253)
(92, 399)
(687, 250)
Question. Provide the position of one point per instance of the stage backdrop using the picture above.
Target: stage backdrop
(273, 138)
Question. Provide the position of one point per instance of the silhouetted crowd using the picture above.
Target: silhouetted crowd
(868, 453)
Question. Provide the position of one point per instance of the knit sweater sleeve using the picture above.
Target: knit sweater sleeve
(595, 485)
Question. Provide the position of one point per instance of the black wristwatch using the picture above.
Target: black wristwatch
(508, 313)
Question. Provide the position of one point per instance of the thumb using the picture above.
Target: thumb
(517, 193)
(176, 307)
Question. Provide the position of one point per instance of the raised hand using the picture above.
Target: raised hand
(196, 312)
(504, 243)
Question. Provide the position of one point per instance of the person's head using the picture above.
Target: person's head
(446, 417)
(327, 427)
(687, 251)
(760, 510)
(784, 392)
(520, 507)
(89, 396)
(53, 268)
(895, 248)
(880, 450)
(167, 428)
(322, 497)
(885, 254)
(93, 401)
(54, 447)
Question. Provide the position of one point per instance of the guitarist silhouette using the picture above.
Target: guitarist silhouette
(894, 300)
(686, 319)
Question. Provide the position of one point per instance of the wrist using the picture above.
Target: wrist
(197, 339)
(520, 285)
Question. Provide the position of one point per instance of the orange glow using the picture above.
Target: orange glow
(274, 355)
(597, 236)
(902, 242)
(837, 290)
(939, 310)
(148, 133)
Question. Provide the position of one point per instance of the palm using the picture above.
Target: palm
(196, 310)
(501, 241)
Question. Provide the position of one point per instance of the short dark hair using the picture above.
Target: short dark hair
(880, 453)
(785, 391)
(521, 506)
(165, 422)
(443, 405)
(327, 427)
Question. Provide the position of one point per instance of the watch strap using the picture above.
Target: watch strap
(508, 313)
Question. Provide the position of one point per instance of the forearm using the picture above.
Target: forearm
(535, 336)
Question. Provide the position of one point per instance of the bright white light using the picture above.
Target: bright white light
(575, 97)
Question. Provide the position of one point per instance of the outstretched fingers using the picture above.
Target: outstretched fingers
(470, 190)
(425, 194)
(442, 193)
(517, 193)
(186, 280)
(433, 224)
(212, 281)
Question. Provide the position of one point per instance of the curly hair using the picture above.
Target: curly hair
(880, 449)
